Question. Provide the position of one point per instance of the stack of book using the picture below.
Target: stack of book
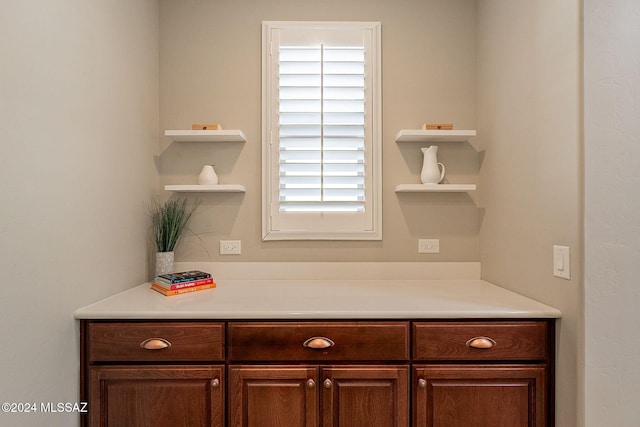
(183, 282)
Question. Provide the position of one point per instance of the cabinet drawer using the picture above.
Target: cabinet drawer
(189, 341)
(369, 341)
(527, 340)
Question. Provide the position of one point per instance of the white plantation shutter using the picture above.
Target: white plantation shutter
(321, 131)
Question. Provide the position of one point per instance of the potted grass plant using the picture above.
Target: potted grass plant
(168, 221)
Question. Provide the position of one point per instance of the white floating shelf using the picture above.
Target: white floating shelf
(435, 188)
(220, 188)
(206, 135)
(435, 135)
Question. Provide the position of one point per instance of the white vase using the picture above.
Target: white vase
(208, 176)
(164, 263)
(431, 169)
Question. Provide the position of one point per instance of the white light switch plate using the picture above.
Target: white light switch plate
(561, 262)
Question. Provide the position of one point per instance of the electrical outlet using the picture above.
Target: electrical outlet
(230, 247)
(428, 246)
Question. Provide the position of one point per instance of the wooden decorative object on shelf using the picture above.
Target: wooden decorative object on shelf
(206, 126)
(437, 126)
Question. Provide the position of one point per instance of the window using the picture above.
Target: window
(321, 125)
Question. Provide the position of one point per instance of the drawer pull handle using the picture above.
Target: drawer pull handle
(155, 344)
(482, 343)
(318, 343)
(327, 383)
(311, 383)
(215, 383)
(422, 383)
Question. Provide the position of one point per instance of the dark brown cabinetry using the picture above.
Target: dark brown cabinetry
(345, 341)
(341, 384)
(345, 396)
(483, 374)
(167, 396)
(354, 396)
(271, 396)
(153, 373)
(318, 373)
(479, 396)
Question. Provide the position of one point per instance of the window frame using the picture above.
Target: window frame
(270, 165)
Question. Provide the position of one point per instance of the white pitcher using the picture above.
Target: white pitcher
(431, 172)
(208, 176)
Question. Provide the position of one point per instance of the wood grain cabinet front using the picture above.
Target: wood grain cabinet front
(483, 373)
(318, 341)
(155, 341)
(167, 396)
(342, 383)
(386, 373)
(355, 396)
(308, 396)
(272, 396)
(161, 374)
(482, 340)
(479, 396)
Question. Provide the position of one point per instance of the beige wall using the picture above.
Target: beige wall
(79, 107)
(80, 96)
(529, 120)
(210, 71)
(510, 69)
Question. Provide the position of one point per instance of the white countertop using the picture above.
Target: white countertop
(324, 299)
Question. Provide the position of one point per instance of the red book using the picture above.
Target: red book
(182, 285)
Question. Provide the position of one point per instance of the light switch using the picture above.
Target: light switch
(561, 262)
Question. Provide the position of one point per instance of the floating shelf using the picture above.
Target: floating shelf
(220, 188)
(435, 135)
(206, 135)
(435, 188)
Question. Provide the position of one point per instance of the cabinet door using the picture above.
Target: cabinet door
(156, 396)
(273, 396)
(372, 396)
(480, 396)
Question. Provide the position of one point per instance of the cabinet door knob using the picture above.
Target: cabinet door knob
(481, 343)
(311, 383)
(155, 344)
(422, 383)
(215, 383)
(327, 383)
(318, 343)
